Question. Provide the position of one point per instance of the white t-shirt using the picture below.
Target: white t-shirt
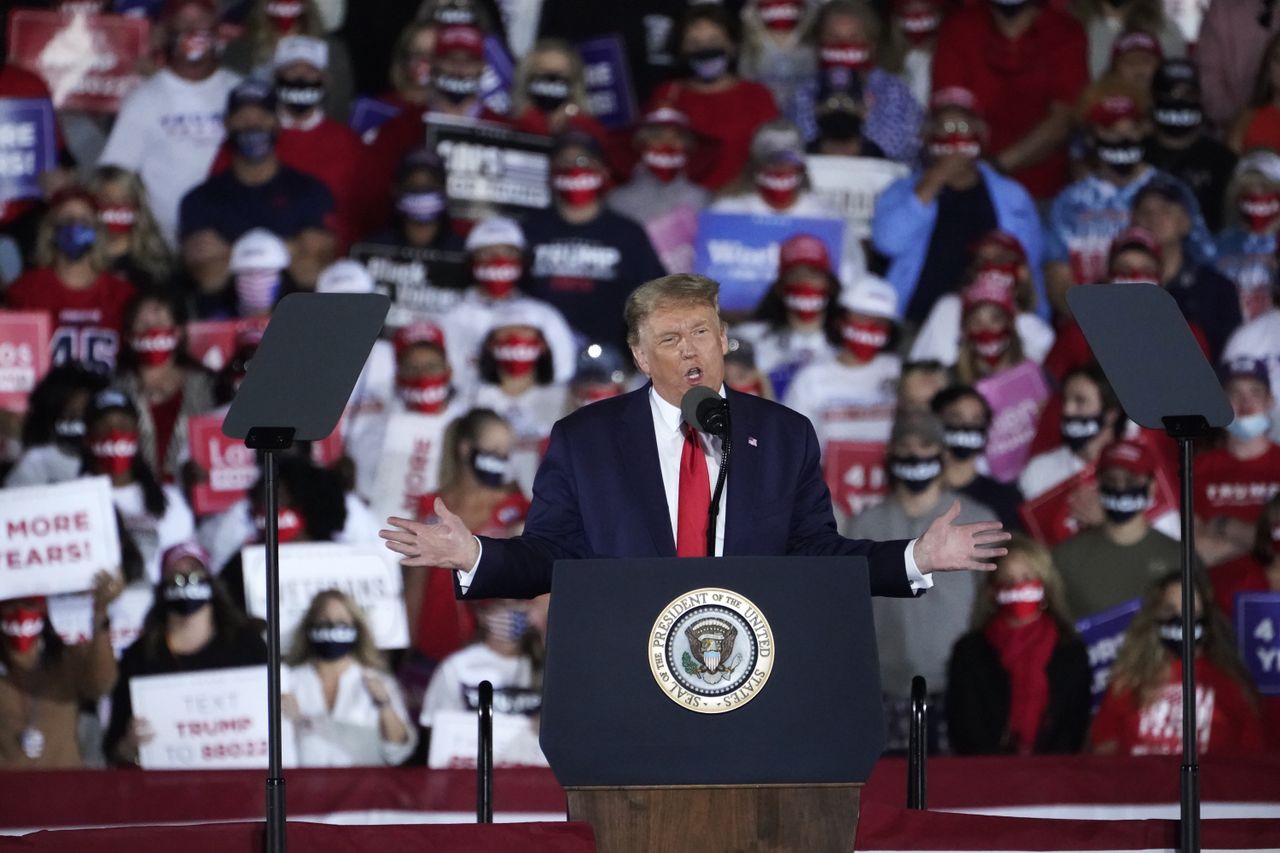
(455, 683)
(531, 415)
(783, 347)
(467, 324)
(939, 337)
(348, 735)
(152, 535)
(917, 71)
(847, 402)
(403, 458)
(168, 131)
(43, 465)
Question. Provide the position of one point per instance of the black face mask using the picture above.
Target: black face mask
(332, 640)
(965, 442)
(1120, 505)
(1171, 633)
(184, 596)
(548, 92)
(1122, 157)
(708, 65)
(839, 125)
(456, 89)
(1178, 117)
(68, 432)
(1077, 432)
(490, 469)
(299, 97)
(915, 472)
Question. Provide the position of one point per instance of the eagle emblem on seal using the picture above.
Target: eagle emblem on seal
(710, 656)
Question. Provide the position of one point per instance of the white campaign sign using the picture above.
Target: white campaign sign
(455, 739)
(851, 186)
(53, 539)
(211, 719)
(409, 465)
(72, 616)
(368, 573)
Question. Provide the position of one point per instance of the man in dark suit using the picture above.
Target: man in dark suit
(625, 477)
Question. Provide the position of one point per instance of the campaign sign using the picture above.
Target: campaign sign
(418, 281)
(27, 147)
(854, 471)
(610, 96)
(1103, 634)
(409, 467)
(1258, 636)
(72, 616)
(455, 740)
(672, 236)
(213, 719)
(369, 573)
(740, 250)
(490, 168)
(495, 80)
(213, 342)
(369, 114)
(1047, 517)
(231, 468)
(88, 61)
(56, 538)
(1016, 397)
(851, 186)
(24, 356)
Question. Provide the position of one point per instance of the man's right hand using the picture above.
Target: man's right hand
(440, 542)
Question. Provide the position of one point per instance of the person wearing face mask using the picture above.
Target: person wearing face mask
(53, 429)
(927, 222)
(989, 341)
(776, 50)
(851, 396)
(917, 495)
(549, 95)
(1236, 479)
(659, 183)
(43, 681)
(70, 284)
(1019, 682)
(192, 626)
(917, 23)
(1107, 22)
(1141, 713)
(1112, 563)
(1258, 570)
(722, 108)
(1090, 417)
(258, 279)
(419, 212)
(584, 258)
(600, 375)
(257, 191)
(134, 247)
(841, 114)
(966, 417)
(346, 708)
(1246, 249)
(156, 371)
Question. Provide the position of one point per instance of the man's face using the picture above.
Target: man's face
(682, 345)
(1248, 396)
(1162, 217)
(251, 117)
(1081, 399)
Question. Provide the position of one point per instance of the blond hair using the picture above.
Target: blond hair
(365, 651)
(1037, 558)
(678, 289)
(577, 85)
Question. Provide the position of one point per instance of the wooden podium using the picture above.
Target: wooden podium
(706, 705)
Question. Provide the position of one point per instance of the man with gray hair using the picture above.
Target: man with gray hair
(626, 477)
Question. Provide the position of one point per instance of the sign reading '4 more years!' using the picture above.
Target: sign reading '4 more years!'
(27, 147)
(1258, 635)
(54, 539)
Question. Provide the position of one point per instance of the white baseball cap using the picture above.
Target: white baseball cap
(871, 295)
(345, 276)
(259, 249)
(495, 231)
(313, 51)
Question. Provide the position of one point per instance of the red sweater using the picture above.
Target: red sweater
(725, 119)
(87, 324)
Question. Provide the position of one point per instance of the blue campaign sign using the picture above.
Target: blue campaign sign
(369, 114)
(610, 96)
(140, 8)
(499, 73)
(1258, 635)
(740, 250)
(27, 147)
(1102, 634)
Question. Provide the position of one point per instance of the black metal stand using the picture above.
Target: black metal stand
(713, 511)
(270, 440)
(918, 744)
(484, 761)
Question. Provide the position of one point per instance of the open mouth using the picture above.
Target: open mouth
(693, 375)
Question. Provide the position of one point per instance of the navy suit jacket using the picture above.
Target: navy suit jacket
(599, 493)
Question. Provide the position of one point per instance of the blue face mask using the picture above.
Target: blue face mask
(74, 240)
(1250, 426)
(253, 144)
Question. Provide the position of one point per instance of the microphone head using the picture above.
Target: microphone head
(705, 410)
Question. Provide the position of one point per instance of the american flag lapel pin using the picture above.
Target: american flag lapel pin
(751, 440)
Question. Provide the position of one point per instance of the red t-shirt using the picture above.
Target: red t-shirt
(1015, 80)
(1225, 721)
(164, 415)
(1236, 488)
(726, 119)
(1243, 574)
(20, 83)
(87, 324)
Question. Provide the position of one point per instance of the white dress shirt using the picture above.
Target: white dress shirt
(348, 735)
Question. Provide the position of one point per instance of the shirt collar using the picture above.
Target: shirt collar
(665, 413)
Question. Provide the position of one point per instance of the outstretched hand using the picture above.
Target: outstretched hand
(950, 547)
(441, 541)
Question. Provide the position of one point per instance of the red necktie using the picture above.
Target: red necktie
(695, 499)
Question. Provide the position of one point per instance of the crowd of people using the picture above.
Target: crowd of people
(1043, 146)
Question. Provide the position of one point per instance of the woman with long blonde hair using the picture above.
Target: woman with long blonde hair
(134, 246)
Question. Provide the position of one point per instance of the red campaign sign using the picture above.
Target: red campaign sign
(329, 450)
(213, 342)
(1047, 518)
(88, 61)
(854, 471)
(24, 356)
(231, 467)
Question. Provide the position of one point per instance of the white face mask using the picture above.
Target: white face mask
(1250, 426)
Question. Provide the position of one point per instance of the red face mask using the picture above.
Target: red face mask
(665, 161)
(155, 347)
(284, 14)
(805, 299)
(424, 394)
(779, 186)
(22, 628)
(596, 393)
(946, 144)
(497, 276)
(289, 524)
(517, 354)
(118, 218)
(990, 344)
(1259, 209)
(578, 185)
(864, 338)
(851, 55)
(919, 24)
(113, 454)
(1020, 600)
(780, 16)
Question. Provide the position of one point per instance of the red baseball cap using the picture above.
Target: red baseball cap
(993, 285)
(462, 37)
(665, 116)
(421, 332)
(1136, 40)
(1000, 239)
(955, 97)
(803, 250)
(1136, 237)
(1110, 110)
(1129, 455)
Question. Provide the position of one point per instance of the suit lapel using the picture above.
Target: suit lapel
(743, 484)
(638, 457)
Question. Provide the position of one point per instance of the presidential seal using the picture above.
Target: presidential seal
(711, 650)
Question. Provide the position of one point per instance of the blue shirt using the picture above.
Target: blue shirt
(287, 204)
(1246, 258)
(893, 115)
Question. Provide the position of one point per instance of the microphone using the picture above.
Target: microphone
(705, 410)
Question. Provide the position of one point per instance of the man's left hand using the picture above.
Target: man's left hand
(950, 547)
